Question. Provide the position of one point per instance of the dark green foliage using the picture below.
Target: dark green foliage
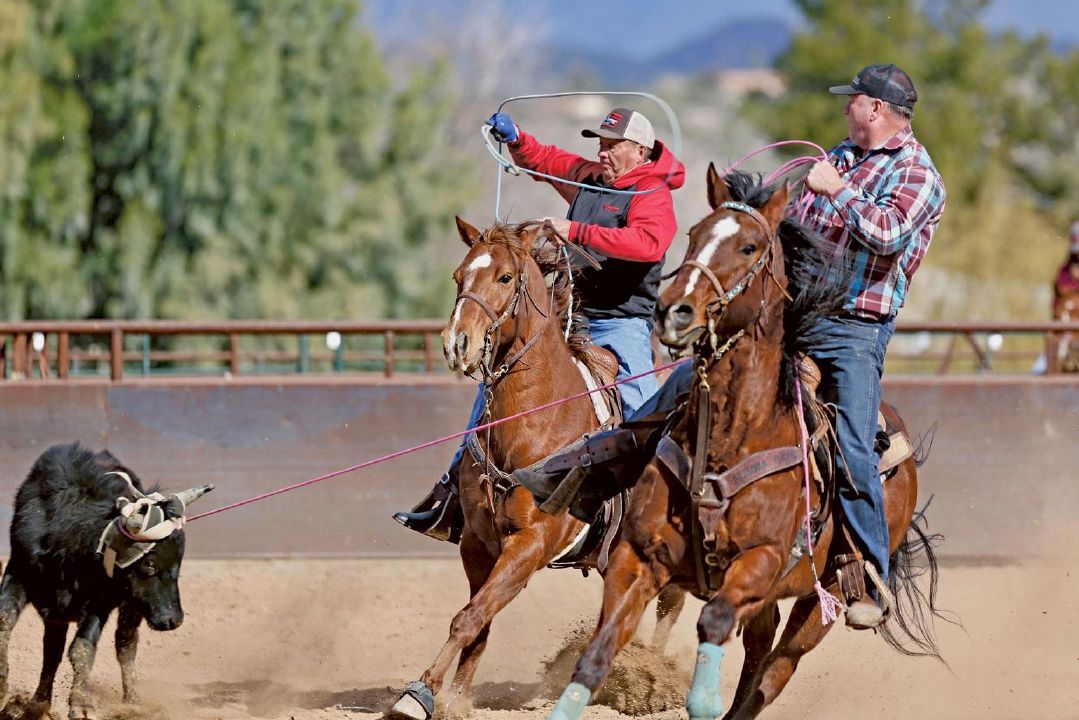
(216, 159)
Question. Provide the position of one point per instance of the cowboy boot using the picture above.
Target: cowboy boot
(581, 479)
(864, 612)
(438, 515)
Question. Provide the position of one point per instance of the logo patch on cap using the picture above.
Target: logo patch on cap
(612, 119)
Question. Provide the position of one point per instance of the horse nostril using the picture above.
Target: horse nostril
(681, 316)
(462, 344)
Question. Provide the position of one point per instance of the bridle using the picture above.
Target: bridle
(708, 343)
(493, 335)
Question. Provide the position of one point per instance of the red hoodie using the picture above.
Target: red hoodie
(650, 224)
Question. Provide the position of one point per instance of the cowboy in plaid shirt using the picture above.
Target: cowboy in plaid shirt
(876, 201)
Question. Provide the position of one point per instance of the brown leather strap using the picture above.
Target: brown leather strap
(674, 457)
(595, 450)
(479, 301)
(753, 468)
(696, 487)
(616, 511)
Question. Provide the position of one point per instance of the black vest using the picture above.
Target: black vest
(620, 288)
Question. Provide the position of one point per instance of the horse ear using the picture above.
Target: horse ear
(776, 206)
(469, 234)
(529, 232)
(717, 187)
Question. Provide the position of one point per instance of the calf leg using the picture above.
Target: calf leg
(127, 644)
(12, 602)
(81, 654)
(52, 655)
(668, 607)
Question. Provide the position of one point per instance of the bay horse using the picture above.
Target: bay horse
(744, 343)
(506, 317)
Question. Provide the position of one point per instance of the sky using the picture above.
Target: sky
(644, 27)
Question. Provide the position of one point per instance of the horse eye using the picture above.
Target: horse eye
(148, 569)
(748, 249)
(505, 278)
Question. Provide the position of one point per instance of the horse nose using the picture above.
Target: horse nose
(461, 345)
(678, 316)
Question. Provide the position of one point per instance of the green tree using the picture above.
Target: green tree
(218, 159)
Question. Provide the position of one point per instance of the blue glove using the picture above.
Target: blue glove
(504, 129)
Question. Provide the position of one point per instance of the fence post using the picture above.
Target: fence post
(116, 354)
(428, 353)
(234, 354)
(304, 359)
(62, 355)
(19, 369)
(388, 345)
(145, 354)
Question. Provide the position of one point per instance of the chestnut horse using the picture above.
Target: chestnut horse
(743, 344)
(506, 317)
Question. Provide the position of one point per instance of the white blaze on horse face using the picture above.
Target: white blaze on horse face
(722, 230)
(478, 263)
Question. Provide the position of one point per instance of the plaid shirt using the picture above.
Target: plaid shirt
(881, 223)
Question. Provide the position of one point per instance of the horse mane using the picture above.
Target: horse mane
(550, 261)
(816, 288)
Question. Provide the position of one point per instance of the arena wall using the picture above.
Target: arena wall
(1001, 471)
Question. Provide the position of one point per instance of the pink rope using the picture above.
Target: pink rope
(780, 143)
(787, 166)
(830, 605)
(429, 443)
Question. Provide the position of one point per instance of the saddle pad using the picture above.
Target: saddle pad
(899, 449)
(603, 414)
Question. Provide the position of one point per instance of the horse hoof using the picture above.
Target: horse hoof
(417, 702)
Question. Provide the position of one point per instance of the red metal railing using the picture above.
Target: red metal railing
(64, 349)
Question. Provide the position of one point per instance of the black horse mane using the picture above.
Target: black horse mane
(551, 262)
(816, 289)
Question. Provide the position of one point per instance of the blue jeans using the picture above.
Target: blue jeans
(630, 339)
(850, 353)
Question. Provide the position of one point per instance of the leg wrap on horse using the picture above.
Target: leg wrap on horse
(704, 701)
(573, 701)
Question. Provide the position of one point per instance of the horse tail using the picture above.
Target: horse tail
(909, 630)
(921, 451)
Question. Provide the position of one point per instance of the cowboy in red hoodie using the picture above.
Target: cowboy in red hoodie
(624, 217)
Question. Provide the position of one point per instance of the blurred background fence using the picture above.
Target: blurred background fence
(126, 349)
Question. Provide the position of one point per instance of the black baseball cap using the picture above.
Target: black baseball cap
(884, 82)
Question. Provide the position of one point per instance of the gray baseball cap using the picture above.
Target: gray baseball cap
(624, 124)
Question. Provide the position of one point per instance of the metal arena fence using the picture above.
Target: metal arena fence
(115, 350)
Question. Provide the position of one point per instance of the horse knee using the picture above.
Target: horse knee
(716, 621)
(467, 624)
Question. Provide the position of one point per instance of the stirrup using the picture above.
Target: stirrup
(438, 515)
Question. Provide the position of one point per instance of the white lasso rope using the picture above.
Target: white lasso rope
(509, 166)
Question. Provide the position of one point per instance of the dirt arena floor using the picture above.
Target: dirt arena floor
(314, 640)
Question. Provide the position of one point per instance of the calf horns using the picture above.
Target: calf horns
(192, 494)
